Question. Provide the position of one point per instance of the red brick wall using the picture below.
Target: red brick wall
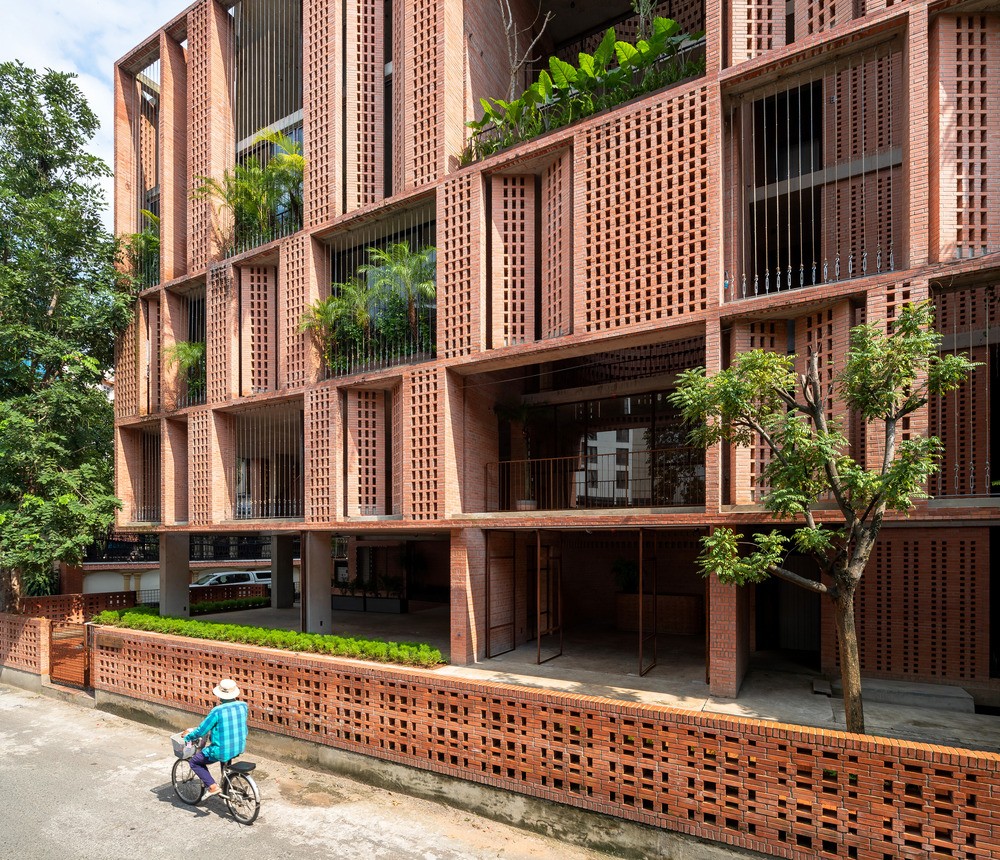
(788, 791)
(922, 607)
(966, 134)
(322, 463)
(514, 260)
(75, 607)
(461, 293)
(643, 176)
(322, 100)
(24, 643)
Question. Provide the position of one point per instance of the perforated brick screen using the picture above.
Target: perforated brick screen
(321, 49)
(24, 643)
(364, 102)
(513, 289)
(786, 790)
(422, 482)
(199, 104)
(557, 209)
(321, 445)
(922, 606)
(127, 373)
(459, 266)
(218, 346)
(257, 309)
(200, 460)
(642, 237)
(298, 289)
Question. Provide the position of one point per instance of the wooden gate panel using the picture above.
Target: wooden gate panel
(68, 654)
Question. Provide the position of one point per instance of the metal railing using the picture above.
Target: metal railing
(666, 477)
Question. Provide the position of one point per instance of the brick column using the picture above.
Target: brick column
(125, 195)
(173, 177)
(317, 580)
(713, 455)
(916, 143)
(728, 637)
(282, 580)
(175, 574)
(468, 596)
(174, 486)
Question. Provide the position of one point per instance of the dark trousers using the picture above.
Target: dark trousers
(198, 764)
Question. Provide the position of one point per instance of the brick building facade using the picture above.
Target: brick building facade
(505, 444)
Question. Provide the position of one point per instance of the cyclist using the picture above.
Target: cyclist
(227, 723)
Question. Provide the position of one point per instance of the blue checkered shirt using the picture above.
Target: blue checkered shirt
(228, 724)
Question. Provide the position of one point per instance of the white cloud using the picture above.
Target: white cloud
(85, 37)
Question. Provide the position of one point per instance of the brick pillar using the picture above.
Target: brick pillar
(916, 146)
(175, 574)
(317, 580)
(282, 580)
(468, 596)
(173, 177)
(728, 637)
(125, 194)
(222, 467)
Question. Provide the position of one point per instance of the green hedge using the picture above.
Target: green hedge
(145, 618)
(206, 607)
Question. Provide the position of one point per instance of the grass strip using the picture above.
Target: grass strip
(146, 618)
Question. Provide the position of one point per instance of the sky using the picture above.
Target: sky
(85, 37)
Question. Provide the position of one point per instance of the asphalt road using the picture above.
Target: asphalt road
(79, 783)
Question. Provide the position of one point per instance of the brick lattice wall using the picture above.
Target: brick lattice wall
(790, 791)
(644, 177)
(364, 103)
(75, 607)
(218, 346)
(557, 208)
(922, 607)
(321, 448)
(513, 288)
(321, 99)
(127, 372)
(421, 483)
(257, 311)
(24, 643)
(200, 462)
(460, 288)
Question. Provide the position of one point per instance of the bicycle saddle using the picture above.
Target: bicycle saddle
(243, 766)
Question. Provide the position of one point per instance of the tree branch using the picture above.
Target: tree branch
(795, 579)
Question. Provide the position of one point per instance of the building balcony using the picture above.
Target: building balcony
(658, 478)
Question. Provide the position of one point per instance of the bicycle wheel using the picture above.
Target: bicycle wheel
(187, 785)
(242, 798)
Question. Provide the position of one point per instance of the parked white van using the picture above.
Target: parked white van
(233, 577)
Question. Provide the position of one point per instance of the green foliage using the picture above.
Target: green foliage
(142, 250)
(405, 653)
(383, 309)
(565, 93)
(887, 376)
(62, 304)
(189, 358)
(206, 607)
(260, 196)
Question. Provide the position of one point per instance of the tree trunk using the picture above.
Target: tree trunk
(8, 597)
(850, 662)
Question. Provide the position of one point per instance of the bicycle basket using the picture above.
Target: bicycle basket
(183, 748)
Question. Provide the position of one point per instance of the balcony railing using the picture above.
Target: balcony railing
(667, 477)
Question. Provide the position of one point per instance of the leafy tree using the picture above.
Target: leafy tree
(886, 378)
(62, 304)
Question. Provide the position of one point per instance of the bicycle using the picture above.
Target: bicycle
(238, 788)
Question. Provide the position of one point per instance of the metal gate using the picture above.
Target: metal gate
(548, 600)
(647, 598)
(501, 593)
(69, 657)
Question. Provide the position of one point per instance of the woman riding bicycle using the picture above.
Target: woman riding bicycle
(227, 723)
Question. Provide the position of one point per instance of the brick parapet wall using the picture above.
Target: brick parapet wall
(75, 607)
(24, 643)
(786, 790)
